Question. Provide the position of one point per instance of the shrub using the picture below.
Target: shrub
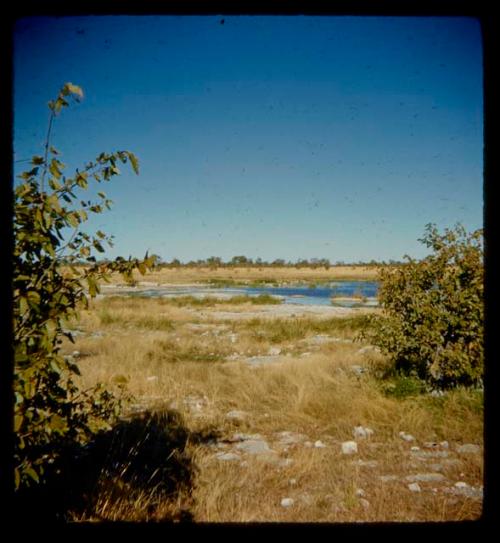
(431, 324)
(51, 413)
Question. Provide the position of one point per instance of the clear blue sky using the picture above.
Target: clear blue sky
(272, 137)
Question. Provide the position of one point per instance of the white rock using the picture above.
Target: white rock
(290, 438)
(415, 448)
(236, 415)
(76, 354)
(319, 444)
(287, 502)
(349, 447)
(253, 446)
(292, 482)
(225, 457)
(365, 504)
(406, 437)
(361, 432)
(388, 478)
(274, 351)
(425, 477)
(444, 444)
(468, 448)
(360, 492)
(461, 484)
(152, 378)
(414, 487)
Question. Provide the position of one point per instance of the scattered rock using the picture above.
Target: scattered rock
(388, 478)
(414, 487)
(469, 448)
(287, 502)
(292, 482)
(253, 446)
(227, 457)
(360, 492)
(406, 437)
(423, 455)
(367, 349)
(274, 351)
(349, 447)
(290, 438)
(152, 378)
(365, 504)
(425, 477)
(319, 444)
(463, 489)
(361, 432)
(435, 467)
(243, 437)
(75, 354)
(261, 360)
(415, 448)
(236, 415)
(358, 370)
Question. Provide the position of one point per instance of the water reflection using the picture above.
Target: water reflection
(341, 293)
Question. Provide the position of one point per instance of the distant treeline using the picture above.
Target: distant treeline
(215, 262)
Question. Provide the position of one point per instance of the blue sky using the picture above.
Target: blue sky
(273, 137)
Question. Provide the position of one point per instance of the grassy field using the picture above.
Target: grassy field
(241, 275)
(197, 395)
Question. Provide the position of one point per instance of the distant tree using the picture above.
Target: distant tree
(240, 261)
(214, 262)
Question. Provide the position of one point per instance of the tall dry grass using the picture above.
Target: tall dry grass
(187, 275)
(184, 367)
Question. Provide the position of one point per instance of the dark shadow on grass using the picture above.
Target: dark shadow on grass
(142, 460)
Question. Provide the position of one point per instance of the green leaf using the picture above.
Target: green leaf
(18, 421)
(74, 89)
(54, 168)
(33, 474)
(134, 161)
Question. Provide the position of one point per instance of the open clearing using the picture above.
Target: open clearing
(262, 401)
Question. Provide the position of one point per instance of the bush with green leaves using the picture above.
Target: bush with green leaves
(431, 324)
(51, 412)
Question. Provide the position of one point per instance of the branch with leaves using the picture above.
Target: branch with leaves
(50, 410)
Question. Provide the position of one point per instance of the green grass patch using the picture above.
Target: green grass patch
(209, 301)
(281, 330)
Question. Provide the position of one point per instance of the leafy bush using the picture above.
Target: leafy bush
(432, 320)
(50, 412)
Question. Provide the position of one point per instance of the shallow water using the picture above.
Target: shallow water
(344, 293)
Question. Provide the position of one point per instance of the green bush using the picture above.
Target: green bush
(51, 414)
(431, 324)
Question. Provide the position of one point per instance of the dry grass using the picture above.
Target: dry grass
(185, 275)
(169, 360)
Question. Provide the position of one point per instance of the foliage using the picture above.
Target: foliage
(50, 411)
(432, 321)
